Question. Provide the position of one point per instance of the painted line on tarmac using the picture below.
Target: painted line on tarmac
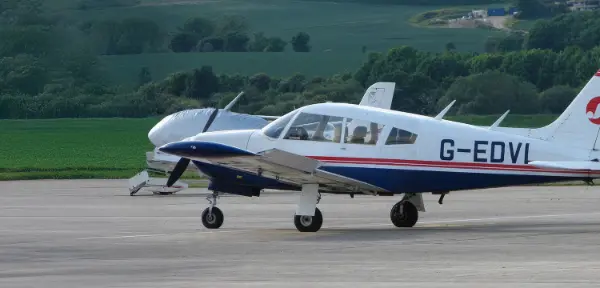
(450, 221)
(158, 235)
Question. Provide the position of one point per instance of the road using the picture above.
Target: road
(93, 234)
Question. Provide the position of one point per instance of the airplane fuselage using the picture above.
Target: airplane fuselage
(444, 156)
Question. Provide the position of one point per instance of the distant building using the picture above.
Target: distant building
(582, 5)
(479, 13)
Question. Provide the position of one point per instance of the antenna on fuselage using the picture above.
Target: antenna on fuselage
(443, 113)
(497, 123)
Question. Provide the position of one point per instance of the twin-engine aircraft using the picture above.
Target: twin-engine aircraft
(183, 124)
(382, 152)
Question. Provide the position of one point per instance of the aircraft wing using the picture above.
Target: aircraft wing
(286, 167)
(568, 165)
(267, 117)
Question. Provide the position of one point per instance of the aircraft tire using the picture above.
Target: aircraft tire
(309, 223)
(408, 218)
(212, 220)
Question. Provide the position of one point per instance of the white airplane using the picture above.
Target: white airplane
(188, 123)
(398, 153)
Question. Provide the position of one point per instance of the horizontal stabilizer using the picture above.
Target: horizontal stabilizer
(567, 165)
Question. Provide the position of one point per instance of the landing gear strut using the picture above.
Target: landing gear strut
(212, 217)
(308, 217)
(404, 214)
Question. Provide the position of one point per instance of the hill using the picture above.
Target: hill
(348, 28)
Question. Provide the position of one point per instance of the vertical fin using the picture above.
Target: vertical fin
(379, 95)
(579, 124)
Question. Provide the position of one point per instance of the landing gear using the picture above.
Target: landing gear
(212, 217)
(306, 223)
(308, 217)
(404, 214)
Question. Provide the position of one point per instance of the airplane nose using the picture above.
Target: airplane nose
(211, 144)
(196, 149)
(158, 135)
(154, 134)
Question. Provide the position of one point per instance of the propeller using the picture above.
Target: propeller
(183, 163)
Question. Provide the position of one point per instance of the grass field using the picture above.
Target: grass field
(68, 148)
(110, 148)
(340, 29)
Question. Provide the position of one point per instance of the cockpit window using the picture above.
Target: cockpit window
(399, 136)
(315, 127)
(275, 128)
(364, 132)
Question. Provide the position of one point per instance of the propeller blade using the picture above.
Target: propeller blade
(184, 162)
(178, 171)
(210, 120)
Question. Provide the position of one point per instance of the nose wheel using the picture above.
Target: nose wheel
(212, 217)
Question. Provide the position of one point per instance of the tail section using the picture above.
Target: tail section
(379, 95)
(579, 124)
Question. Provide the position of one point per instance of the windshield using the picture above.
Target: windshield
(275, 128)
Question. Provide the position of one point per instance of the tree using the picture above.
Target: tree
(200, 26)
(450, 46)
(216, 43)
(275, 44)
(144, 76)
(22, 74)
(232, 25)
(129, 36)
(300, 42)
(556, 99)
(236, 42)
(261, 43)
(260, 81)
(183, 42)
(491, 92)
(201, 84)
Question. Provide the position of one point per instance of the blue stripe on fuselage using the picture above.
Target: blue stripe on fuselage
(415, 181)
(396, 180)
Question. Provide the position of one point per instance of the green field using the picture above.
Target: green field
(338, 33)
(73, 148)
(111, 148)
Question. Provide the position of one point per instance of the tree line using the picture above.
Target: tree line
(47, 71)
(197, 34)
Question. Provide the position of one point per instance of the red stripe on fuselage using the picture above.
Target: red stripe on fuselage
(442, 164)
(597, 73)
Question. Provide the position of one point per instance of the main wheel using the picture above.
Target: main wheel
(309, 223)
(212, 220)
(404, 214)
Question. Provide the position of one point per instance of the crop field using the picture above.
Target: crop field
(111, 148)
(338, 33)
(73, 148)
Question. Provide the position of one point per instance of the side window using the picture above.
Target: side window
(399, 136)
(362, 132)
(275, 128)
(315, 127)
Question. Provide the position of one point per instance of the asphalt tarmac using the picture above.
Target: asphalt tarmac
(93, 234)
